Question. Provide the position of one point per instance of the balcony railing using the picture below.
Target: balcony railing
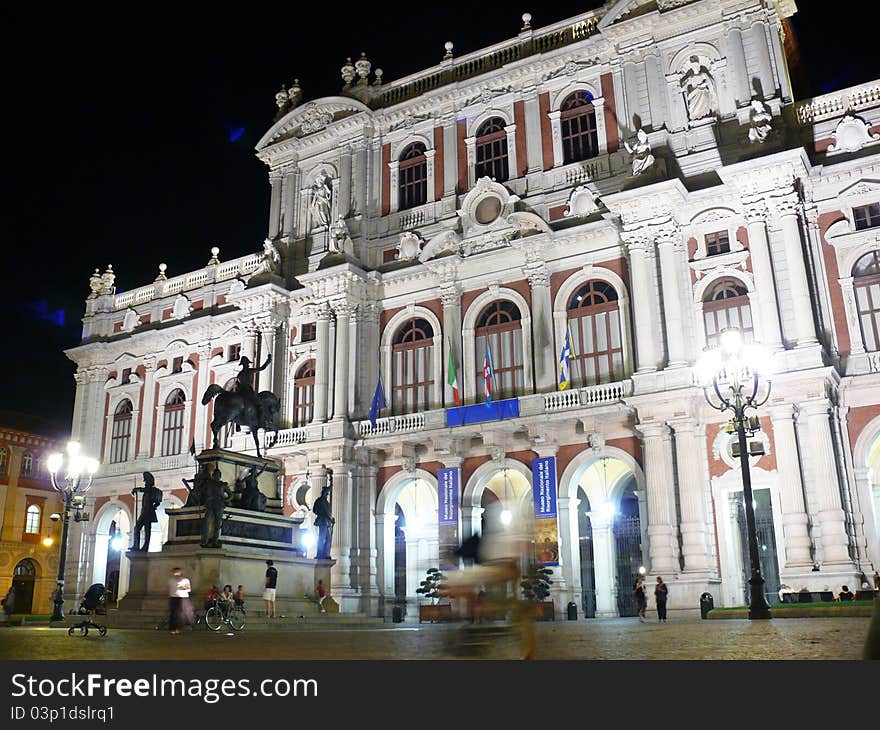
(838, 102)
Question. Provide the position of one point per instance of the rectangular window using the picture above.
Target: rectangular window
(867, 216)
(126, 377)
(234, 352)
(717, 243)
(309, 332)
(178, 365)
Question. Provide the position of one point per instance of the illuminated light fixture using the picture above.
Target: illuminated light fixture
(117, 543)
(642, 570)
(48, 542)
(308, 539)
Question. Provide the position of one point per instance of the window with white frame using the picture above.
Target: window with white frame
(27, 464)
(577, 122)
(726, 306)
(491, 150)
(304, 394)
(412, 185)
(4, 457)
(866, 285)
(120, 435)
(412, 375)
(499, 327)
(866, 216)
(594, 322)
(32, 519)
(718, 242)
(234, 352)
(172, 424)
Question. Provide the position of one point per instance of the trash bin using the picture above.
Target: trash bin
(707, 603)
(572, 611)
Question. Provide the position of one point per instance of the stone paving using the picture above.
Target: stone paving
(684, 638)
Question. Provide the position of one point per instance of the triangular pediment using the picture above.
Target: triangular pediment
(861, 187)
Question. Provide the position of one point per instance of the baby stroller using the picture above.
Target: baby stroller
(93, 602)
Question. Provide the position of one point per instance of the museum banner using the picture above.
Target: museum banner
(447, 516)
(544, 497)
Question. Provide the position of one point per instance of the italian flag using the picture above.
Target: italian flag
(452, 378)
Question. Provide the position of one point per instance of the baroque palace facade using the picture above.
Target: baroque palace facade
(639, 176)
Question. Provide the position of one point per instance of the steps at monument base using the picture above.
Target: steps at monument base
(150, 619)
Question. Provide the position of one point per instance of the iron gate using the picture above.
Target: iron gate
(766, 545)
(628, 559)
(588, 573)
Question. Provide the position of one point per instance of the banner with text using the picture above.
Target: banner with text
(447, 516)
(544, 496)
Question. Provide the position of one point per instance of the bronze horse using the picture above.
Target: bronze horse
(255, 411)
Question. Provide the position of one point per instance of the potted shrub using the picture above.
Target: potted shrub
(536, 588)
(430, 589)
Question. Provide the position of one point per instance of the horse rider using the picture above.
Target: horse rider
(244, 379)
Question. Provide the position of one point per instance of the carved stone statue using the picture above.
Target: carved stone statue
(319, 205)
(324, 520)
(152, 498)
(409, 246)
(107, 280)
(271, 258)
(96, 283)
(760, 119)
(699, 90)
(250, 496)
(196, 486)
(340, 239)
(217, 496)
(641, 151)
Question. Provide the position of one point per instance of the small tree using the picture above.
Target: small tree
(430, 587)
(536, 583)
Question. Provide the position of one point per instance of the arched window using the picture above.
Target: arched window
(491, 150)
(726, 306)
(172, 425)
(499, 327)
(3, 458)
(32, 520)
(121, 433)
(412, 187)
(577, 120)
(27, 464)
(304, 394)
(412, 373)
(594, 321)
(866, 283)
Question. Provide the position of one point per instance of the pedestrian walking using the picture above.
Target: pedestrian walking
(641, 599)
(8, 604)
(322, 594)
(180, 608)
(661, 593)
(269, 591)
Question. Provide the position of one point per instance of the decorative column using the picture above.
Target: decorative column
(345, 513)
(342, 310)
(450, 295)
(79, 406)
(542, 327)
(148, 410)
(274, 204)
(765, 285)
(604, 565)
(787, 208)
(642, 290)
(795, 529)
(758, 33)
(394, 174)
(322, 360)
(513, 168)
(661, 508)
(366, 526)
(864, 490)
(532, 114)
(470, 144)
(265, 380)
(343, 201)
(835, 545)
(737, 57)
(202, 377)
(556, 136)
(690, 450)
(670, 246)
(291, 185)
(854, 327)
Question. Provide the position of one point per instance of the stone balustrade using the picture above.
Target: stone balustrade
(835, 104)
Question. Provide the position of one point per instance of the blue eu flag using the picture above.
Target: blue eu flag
(378, 402)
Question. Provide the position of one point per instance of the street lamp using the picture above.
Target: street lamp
(78, 472)
(730, 376)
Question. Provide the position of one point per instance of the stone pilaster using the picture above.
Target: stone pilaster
(670, 248)
(542, 327)
(661, 508)
(322, 363)
(690, 451)
(640, 258)
(765, 285)
(343, 311)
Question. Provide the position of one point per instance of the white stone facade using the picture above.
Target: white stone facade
(780, 217)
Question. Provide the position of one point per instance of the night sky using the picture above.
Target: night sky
(129, 138)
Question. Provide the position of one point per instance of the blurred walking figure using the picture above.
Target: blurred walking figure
(641, 599)
(661, 593)
(181, 612)
(322, 594)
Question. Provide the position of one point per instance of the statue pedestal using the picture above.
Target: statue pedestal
(233, 465)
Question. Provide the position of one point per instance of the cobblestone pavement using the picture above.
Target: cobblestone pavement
(686, 638)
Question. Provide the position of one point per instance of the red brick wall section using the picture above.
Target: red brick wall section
(838, 312)
(519, 118)
(467, 298)
(717, 467)
(632, 445)
(557, 212)
(221, 300)
(432, 467)
(383, 474)
(525, 457)
(546, 132)
(461, 130)
(611, 132)
(565, 455)
(618, 266)
(386, 179)
(438, 163)
(469, 466)
(822, 145)
(742, 235)
(856, 420)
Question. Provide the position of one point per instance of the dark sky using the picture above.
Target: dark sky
(129, 139)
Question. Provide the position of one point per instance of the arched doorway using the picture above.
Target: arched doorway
(24, 577)
(112, 539)
(627, 552)
(585, 543)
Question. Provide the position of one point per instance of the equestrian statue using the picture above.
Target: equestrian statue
(242, 406)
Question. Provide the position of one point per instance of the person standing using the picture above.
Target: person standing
(322, 594)
(269, 591)
(180, 609)
(661, 593)
(641, 599)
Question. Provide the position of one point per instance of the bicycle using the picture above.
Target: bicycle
(232, 616)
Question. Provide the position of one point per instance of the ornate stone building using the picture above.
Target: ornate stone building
(639, 176)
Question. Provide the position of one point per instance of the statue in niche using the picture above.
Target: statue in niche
(642, 158)
(271, 258)
(699, 90)
(759, 120)
(319, 205)
(340, 239)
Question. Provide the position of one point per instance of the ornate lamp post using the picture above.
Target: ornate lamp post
(730, 375)
(78, 472)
